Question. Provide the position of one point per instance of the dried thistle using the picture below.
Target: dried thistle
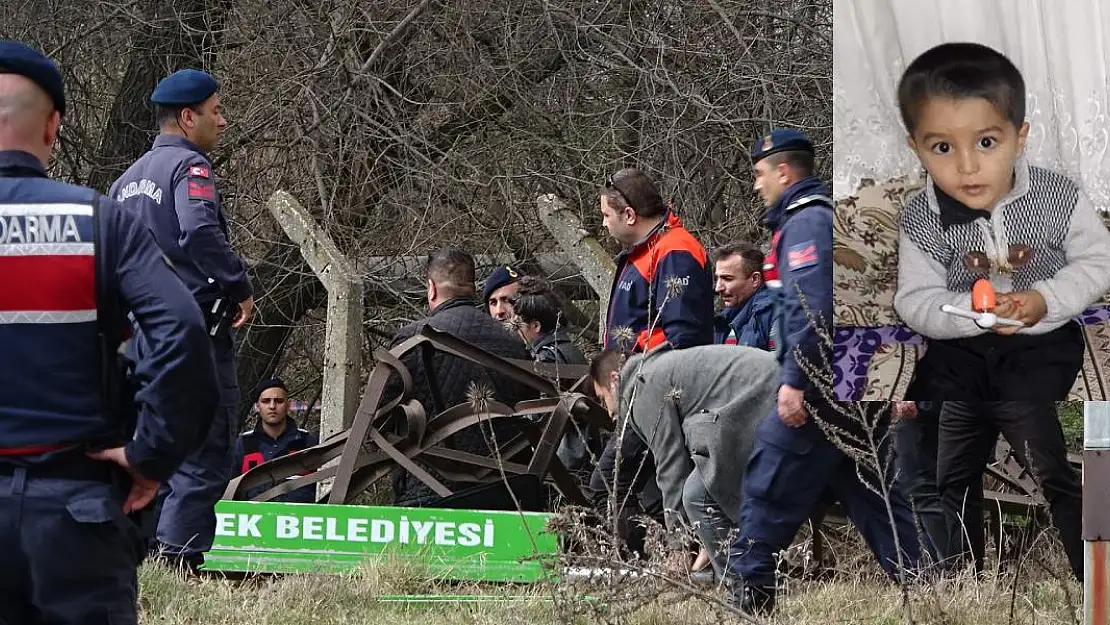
(676, 285)
(514, 324)
(623, 334)
(479, 396)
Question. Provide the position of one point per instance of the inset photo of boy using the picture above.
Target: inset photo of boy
(972, 183)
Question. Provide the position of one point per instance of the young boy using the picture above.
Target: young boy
(987, 213)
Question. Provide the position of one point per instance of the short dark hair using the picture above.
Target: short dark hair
(632, 188)
(752, 255)
(800, 161)
(165, 114)
(961, 71)
(537, 301)
(604, 364)
(452, 270)
(533, 307)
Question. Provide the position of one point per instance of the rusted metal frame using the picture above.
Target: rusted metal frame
(558, 474)
(551, 435)
(481, 470)
(550, 371)
(461, 411)
(405, 462)
(280, 469)
(458, 347)
(290, 485)
(451, 422)
(368, 409)
(462, 457)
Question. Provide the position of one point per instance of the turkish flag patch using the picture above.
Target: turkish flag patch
(202, 190)
(198, 171)
(802, 255)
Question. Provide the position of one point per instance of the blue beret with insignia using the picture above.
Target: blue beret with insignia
(184, 87)
(19, 58)
(781, 140)
(502, 276)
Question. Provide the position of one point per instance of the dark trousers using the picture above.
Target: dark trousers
(915, 444)
(790, 473)
(993, 367)
(968, 433)
(69, 552)
(623, 491)
(186, 523)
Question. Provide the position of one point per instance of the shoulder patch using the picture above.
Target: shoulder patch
(201, 189)
(199, 171)
(802, 255)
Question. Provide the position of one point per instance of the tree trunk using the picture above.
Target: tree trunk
(178, 37)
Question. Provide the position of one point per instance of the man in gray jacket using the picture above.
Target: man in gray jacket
(697, 409)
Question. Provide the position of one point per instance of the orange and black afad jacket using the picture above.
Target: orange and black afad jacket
(662, 292)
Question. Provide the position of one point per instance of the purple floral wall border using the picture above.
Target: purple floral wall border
(853, 348)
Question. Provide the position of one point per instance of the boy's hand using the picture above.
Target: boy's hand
(1027, 307)
(904, 410)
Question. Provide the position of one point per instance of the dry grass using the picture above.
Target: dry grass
(1038, 593)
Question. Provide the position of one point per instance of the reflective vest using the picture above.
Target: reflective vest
(50, 352)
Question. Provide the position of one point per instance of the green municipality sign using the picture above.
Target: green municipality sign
(316, 538)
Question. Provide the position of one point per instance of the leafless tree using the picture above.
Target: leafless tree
(412, 124)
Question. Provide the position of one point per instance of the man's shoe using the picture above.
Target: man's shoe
(704, 577)
(183, 563)
(754, 600)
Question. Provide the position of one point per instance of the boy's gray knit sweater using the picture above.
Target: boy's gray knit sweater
(1070, 264)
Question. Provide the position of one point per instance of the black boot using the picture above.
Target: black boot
(190, 564)
(754, 600)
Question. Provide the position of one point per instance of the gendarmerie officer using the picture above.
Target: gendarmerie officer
(793, 465)
(77, 454)
(174, 188)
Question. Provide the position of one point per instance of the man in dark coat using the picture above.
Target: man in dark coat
(453, 308)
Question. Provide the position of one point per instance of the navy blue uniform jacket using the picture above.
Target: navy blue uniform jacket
(803, 260)
(174, 188)
(67, 252)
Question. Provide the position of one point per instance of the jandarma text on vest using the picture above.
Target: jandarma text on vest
(38, 229)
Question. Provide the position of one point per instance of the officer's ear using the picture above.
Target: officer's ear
(432, 291)
(53, 127)
(785, 172)
(187, 117)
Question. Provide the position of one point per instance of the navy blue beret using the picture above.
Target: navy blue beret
(500, 277)
(19, 58)
(268, 384)
(781, 140)
(185, 87)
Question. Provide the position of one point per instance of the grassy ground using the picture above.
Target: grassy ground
(856, 595)
(1035, 589)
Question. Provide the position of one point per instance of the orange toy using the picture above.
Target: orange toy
(982, 296)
